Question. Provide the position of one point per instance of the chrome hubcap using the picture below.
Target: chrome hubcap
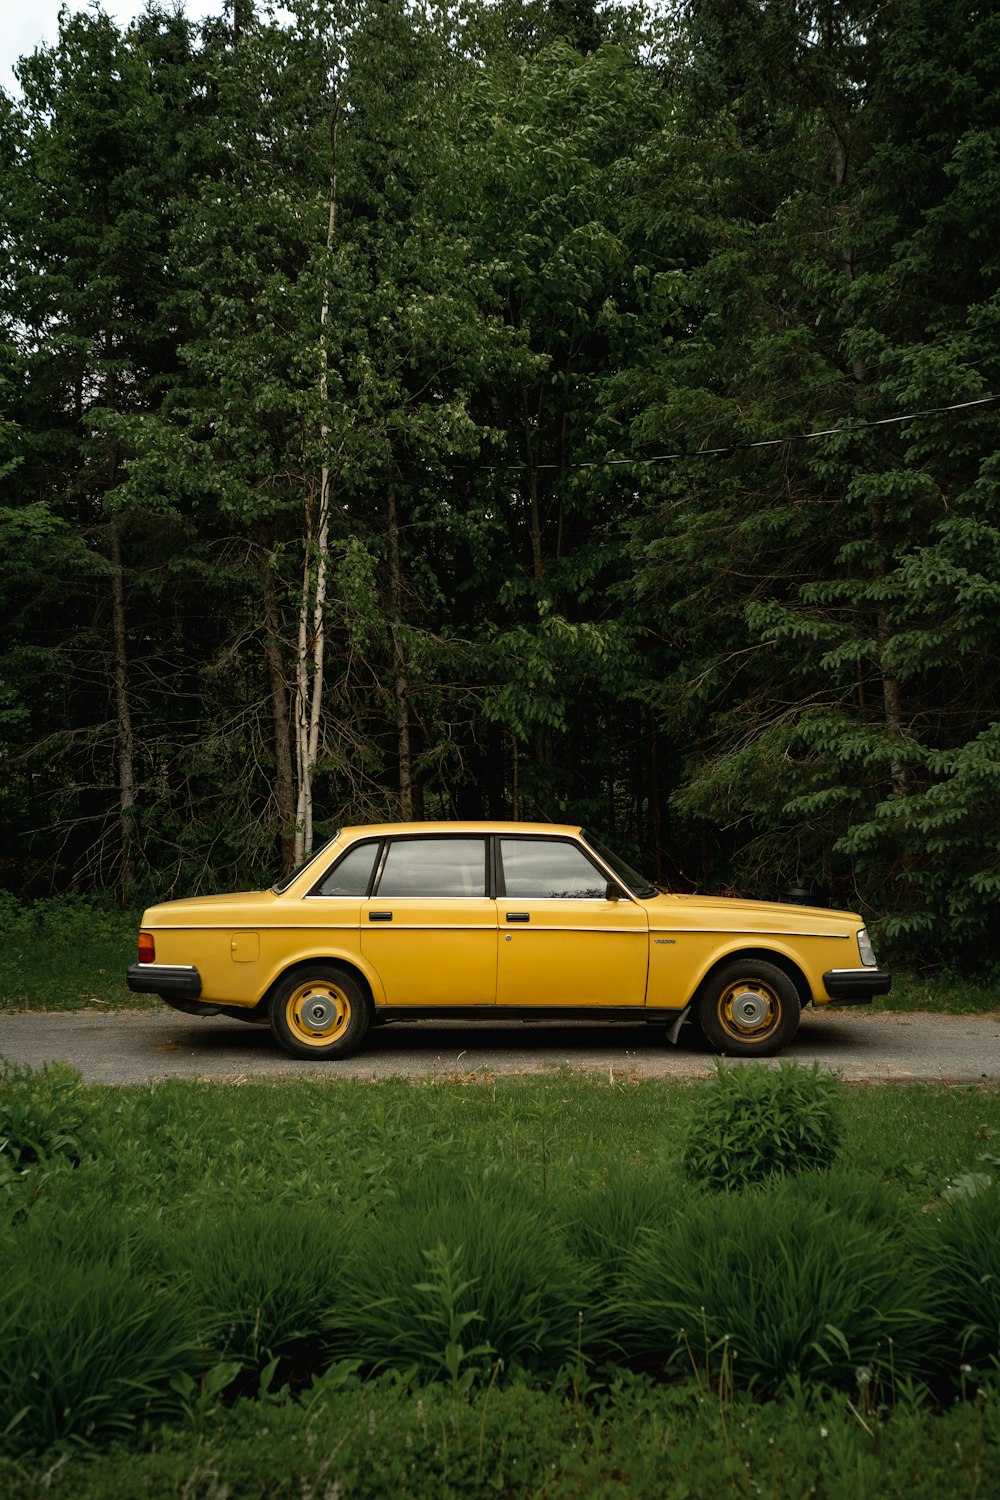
(318, 1013)
(750, 1010)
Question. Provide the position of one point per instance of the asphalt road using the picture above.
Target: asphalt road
(135, 1047)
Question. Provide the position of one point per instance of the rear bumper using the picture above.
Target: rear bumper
(169, 981)
(856, 986)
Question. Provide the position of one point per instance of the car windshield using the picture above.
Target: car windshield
(284, 881)
(636, 883)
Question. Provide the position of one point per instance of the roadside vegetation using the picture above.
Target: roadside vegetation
(765, 1281)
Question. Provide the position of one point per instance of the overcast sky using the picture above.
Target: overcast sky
(25, 23)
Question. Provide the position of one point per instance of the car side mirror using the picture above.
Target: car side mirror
(612, 891)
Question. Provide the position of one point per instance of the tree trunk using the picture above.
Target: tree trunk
(309, 658)
(311, 643)
(123, 714)
(400, 689)
(284, 778)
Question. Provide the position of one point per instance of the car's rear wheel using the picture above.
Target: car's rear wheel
(320, 1012)
(748, 1008)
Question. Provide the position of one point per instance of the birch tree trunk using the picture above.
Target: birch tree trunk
(311, 643)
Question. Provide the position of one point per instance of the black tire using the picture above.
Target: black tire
(319, 1012)
(748, 1008)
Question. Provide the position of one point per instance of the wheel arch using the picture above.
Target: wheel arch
(779, 960)
(303, 965)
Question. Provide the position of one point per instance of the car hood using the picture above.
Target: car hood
(739, 907)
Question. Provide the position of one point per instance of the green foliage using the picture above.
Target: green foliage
(258, 1280)
(477, 1275)
(88, 1348)
(43, 1117)
(476, 269)
(811, 1278)
(65, 952)
(964, 1248)
(197, 1255)
(383, 1438)
(753, 1123)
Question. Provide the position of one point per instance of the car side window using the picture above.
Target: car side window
(549, 868)
(352, 874)
(434, 867)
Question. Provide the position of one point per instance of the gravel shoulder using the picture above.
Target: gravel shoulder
(129, 1047)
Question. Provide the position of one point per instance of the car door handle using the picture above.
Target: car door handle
(518, 916)
(380, 916)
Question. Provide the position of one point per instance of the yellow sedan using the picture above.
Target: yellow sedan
(400, 920)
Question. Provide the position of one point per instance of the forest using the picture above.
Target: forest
(565, 411)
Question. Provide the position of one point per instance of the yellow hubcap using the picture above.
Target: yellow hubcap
(317, 1012)
(749, 1009)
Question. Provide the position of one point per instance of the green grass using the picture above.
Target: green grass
(71, 953)
(518, 1258)
(67, 953)
(941, 991)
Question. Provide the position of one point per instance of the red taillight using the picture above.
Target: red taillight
(147, 948)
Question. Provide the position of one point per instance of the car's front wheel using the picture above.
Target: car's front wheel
(748, 1008)
(320, 1012)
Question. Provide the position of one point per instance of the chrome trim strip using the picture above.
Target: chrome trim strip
(173, 968)
(751, 932)
(260, 927)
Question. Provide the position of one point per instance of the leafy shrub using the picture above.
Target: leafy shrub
(43, 1115)
(751, 1123)
(810, 1278)
(460, 1273)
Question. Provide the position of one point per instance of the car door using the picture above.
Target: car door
(561, 940)
(429, 929)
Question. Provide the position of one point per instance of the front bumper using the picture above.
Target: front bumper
(856, 986)
(169, 981)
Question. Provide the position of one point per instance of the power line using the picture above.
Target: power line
(795, 437)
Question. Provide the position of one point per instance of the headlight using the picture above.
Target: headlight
(866, 950)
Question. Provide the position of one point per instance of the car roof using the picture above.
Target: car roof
(385, 830)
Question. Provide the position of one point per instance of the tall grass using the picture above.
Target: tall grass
(806, 1280)
(457, 1235)
(459, 1273)
(43, 1115)
(86, 1349)
(262, 1280)
(963, 1246)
